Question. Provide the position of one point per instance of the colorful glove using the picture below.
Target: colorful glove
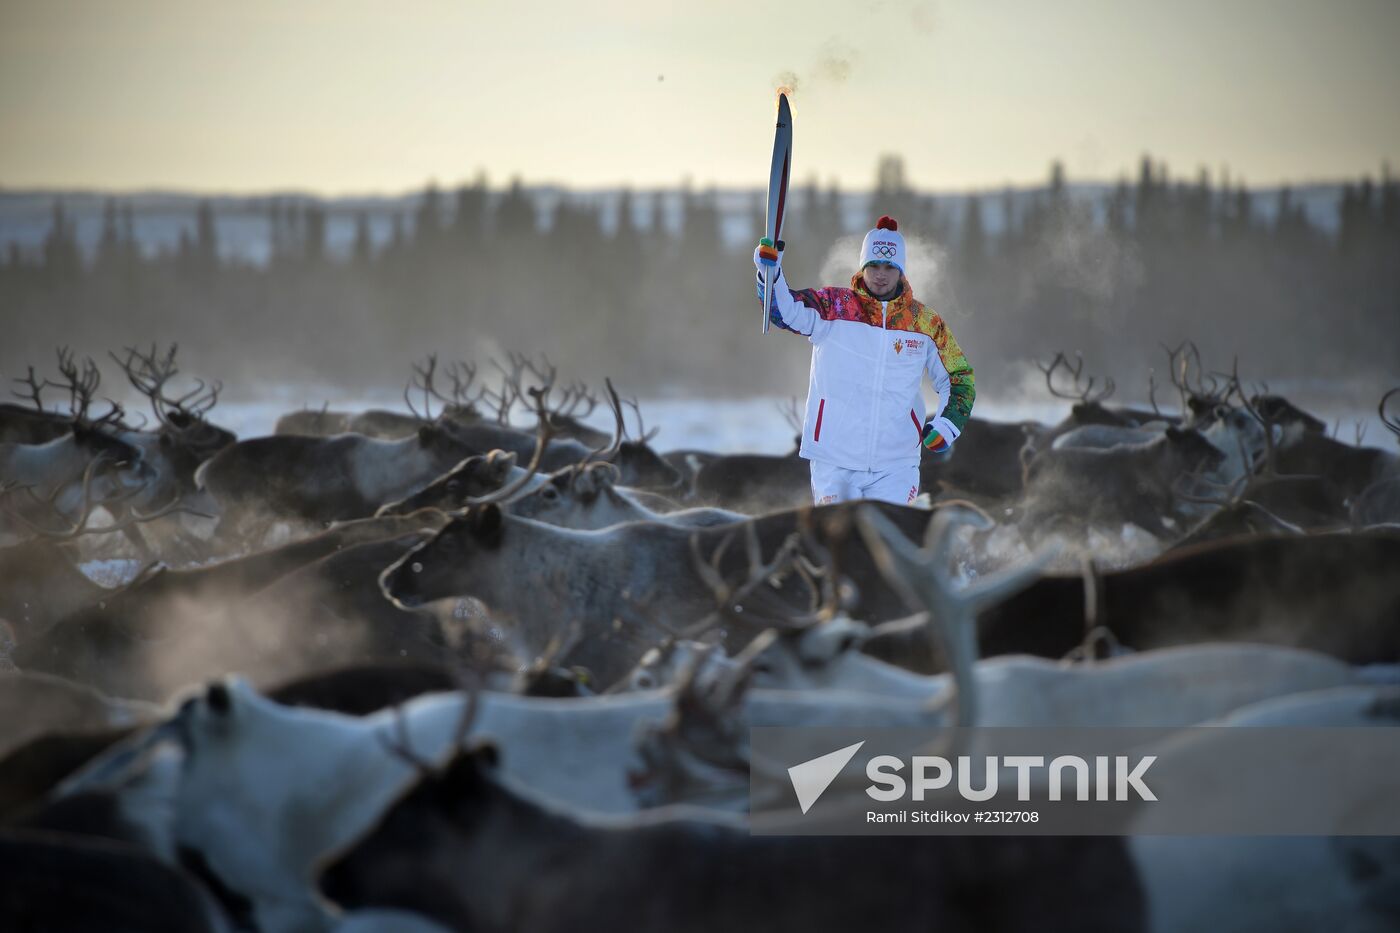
(939, 435)
(769, 256)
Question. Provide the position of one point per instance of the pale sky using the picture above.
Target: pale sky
(363, 97)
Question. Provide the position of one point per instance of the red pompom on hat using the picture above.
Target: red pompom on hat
(886, 222)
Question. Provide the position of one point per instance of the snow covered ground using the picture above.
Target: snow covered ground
(758, 425)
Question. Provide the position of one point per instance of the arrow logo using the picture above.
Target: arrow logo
(811, 778)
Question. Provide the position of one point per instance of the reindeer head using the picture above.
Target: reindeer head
(443, 565)
(1193, 451)
(644, 467)
(475, 476)
(182, 418)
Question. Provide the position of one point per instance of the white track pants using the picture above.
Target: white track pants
(837, 484)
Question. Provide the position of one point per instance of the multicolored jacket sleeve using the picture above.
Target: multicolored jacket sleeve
(798, 311)
(962, 389)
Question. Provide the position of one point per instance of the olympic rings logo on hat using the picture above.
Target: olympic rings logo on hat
(885, 250)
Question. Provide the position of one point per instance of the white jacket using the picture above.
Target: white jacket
(865, 410)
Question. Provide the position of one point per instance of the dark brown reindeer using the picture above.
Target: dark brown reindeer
(734, 480)
(1335, 593)
(1350, 469)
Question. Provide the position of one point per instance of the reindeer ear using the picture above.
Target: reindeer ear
(488, 753)
(608, 474)
(486, 524)
(218, 698)
(464, 771)
(585, 483)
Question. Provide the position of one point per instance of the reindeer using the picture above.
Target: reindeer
(576, 402)
(755, 483)
(1307, 875)
(1162, 687)
(1379, 503)
(750, 482)
(716, 875)
(984, 464)
(348, 476)
(482, 797)
(1110, 487)
(60, 474)
(1088, 407)
(576, 496)
(246, 758)
(107, 637)
(476, 476)
(1350, 469)
(585, 496)
(458, 405)
(106, 884)
(689, 461)
(637, 463)
(1305, 882)
(185, 437)
(479, 553)
(1331, 593)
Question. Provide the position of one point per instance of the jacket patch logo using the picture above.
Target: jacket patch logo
(898, 345)
(913, 344)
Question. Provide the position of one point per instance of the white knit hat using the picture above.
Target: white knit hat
(883, 244)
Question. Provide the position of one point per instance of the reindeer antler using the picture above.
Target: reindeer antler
(36, 388)
(150, 373)
(422, 380)
(80, 526)
(922, 578)
(619, 430)
(510, 393)
(82, 385)
(543, 433)
(643, 434)
(1391, 422)
(749, 600)
(463, 374)
(1083, 391)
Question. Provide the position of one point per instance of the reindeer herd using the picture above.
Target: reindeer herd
(443, 669)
